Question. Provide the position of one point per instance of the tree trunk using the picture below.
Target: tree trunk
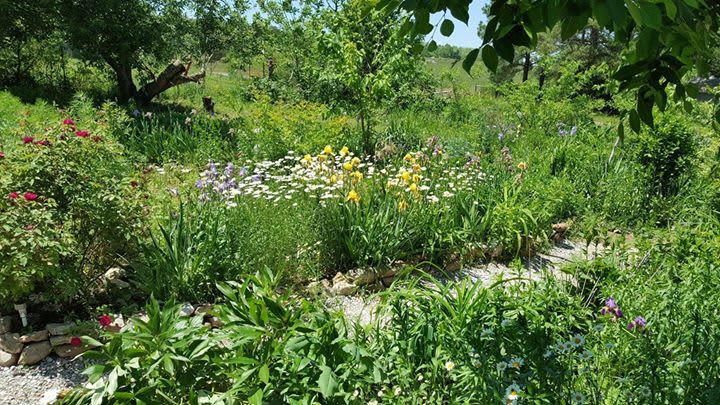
(174, 74)
(126, 86)
(526, 67)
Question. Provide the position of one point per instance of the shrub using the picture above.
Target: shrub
(76, 215)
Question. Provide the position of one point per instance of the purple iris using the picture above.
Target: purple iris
(638, 323)
(242, 172)
(611, 308)
(573, 131)
(199, 183)
(563, 133)
(213, 169)
(501, 136)
(229, 169)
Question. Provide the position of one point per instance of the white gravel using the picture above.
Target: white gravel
(34, 385)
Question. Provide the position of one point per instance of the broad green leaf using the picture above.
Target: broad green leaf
(489, 57)
(327, 383)
(469, 60)
(447, 27)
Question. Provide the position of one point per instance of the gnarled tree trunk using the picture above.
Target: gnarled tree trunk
(175, 74)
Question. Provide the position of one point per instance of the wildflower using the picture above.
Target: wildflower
(353, 196)
(97, 138)
(420, 378)
(347, 166)
(30, 196)
(564, 347)
(573, 130)
(413, 187)
(82, 134)
(408, 157)
(321, 157)
(637, 324)
(512, 392)
(2, 155)
(611, 308)
(501, 366)
(416, 178)
(405, 175)
(13, 196)
(577, 340)
(577, 398)
(27, 140)
(373, 402)
(69, 122)
(516, 363)
(355, 394)
(609, 345)
(327, 150)
(522, 166)
(402, 205)
(585, 355)
(501, 136)
(380, 393)
(44, 142)
(486, 332)
(599, 327)
(307, 159)
(148, 115)
(505, 322)
(548, 353)
(355, 161)
(344, 151)
(449, 365)
(398, 391)
(75, 341)
(105, 320)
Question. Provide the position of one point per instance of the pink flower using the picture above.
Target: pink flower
(13, 195)
(30, 196)
(69, 122)
(30, 227)
(75, 341)
(28, 139)
(82, 134)
(2, 155)
(105, 320)
(44, 142)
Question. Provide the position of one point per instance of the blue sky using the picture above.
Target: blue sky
(464, 35)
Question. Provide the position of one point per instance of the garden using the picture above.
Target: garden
(328, 207)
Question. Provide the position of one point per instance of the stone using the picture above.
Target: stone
(8, 359)
(60, 340)
(318, 287)
(10, 342)
(38, 336)
(70, 350)
(341, 285)
(215, 322)
(34, 353)
(204, 309)
(56, 329)
(361, 277)
(5, 324)
(114, 273)
(186, 309)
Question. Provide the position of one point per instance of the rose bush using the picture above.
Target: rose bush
(68, 211)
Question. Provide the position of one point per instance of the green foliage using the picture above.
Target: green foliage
(74, 212)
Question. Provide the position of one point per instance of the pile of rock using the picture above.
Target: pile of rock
(31, 348)
(206, 310)
(348, 283)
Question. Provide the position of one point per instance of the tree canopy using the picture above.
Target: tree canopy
(663, 39)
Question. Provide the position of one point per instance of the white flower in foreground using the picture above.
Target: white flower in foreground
(512, 392)
(449, 365)
(501, 366)
(577, 398)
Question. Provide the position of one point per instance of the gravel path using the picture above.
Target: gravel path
(364, 309)
(39, 384)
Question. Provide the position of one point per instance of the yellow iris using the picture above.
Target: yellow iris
(328, 150)
(522, 166)
(416, 178)
(344, 151)
(405, 175)
(353, 196)
(322, 157)
(357, 175)
(417, 168)
(333, 179)
(307, 158)
(355, 161)
(347, 166)
(402, 205)
(413, 188)
(408, 157)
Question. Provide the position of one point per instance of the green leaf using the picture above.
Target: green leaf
(327, 383)
(489, 57)
(621, 132)
(264, 373)
(645, 105)
(470, 59)
(431, 46)
(651, 15)
(505, 50)
(447, 27)
(256, 398)
(634, 121)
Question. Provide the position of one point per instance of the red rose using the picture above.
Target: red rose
(30, 196)
(75, 341)
(28, 139)
(13, 195)
(44, 142)
(105, 320)
(69, 122)
(82, 134)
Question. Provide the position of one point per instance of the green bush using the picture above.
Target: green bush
(69, 212)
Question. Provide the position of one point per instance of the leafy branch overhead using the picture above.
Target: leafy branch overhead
(663, 39)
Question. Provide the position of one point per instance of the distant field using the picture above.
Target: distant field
(449, 71)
